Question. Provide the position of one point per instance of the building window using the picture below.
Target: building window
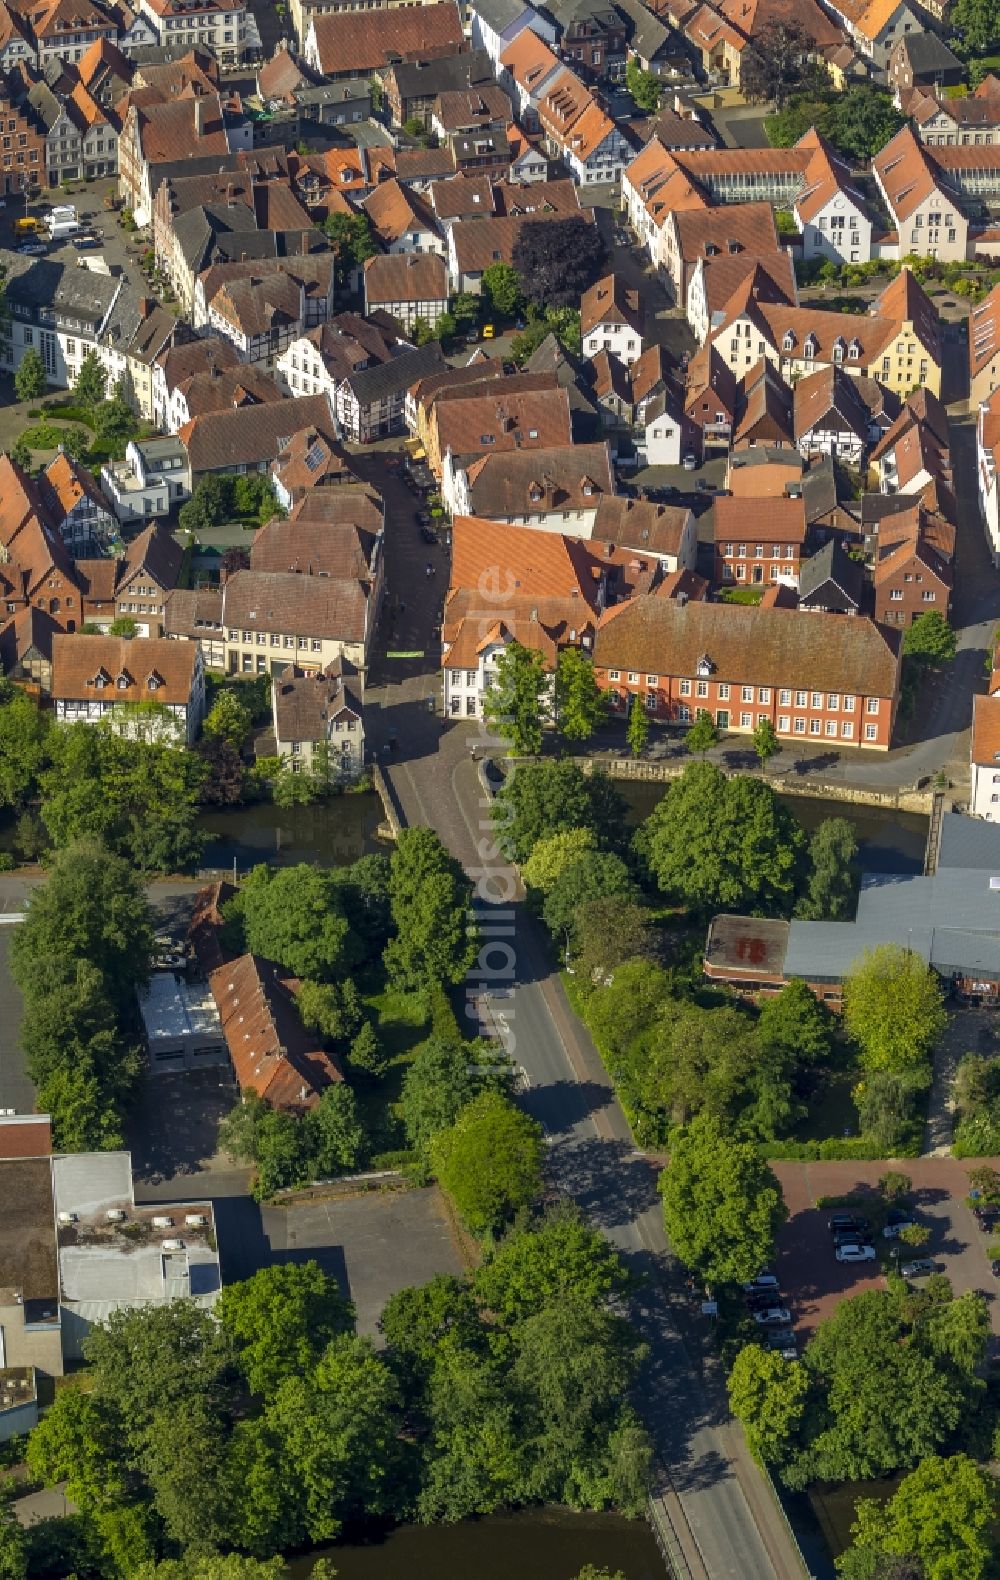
(871, 732)
(747, 694)
(613, 674)
(746, 721)
(685, 688)
(784, 723)
(800, 699)
(784, 698)
(800, 726)
(815, 726)
(702, 688)
(723, 691)
(847, 729)
(872, 705)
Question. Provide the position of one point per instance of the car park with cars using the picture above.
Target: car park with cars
(761, 1284)
(922, 1267)
(773, 1316)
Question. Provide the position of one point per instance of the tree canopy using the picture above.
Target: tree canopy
(517, 701)
(714, 843)
(489, 1161)
(722, 1204)
(296, 916)
(775, 64)
(552, 797)
(930, 639)
(893, 1009)
(943, 1515)
(429, 897)
(557, 260)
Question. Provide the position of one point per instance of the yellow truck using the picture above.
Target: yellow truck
(28, 226)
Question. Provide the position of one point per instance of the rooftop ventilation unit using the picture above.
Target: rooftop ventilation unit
(115, 1215)
(163, 1222)
(173, 1245)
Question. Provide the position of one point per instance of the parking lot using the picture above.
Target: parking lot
(118, 249)
(373, 1243)
(812, 1281)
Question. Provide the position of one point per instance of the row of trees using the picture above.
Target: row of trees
(138, 795)
(271, 1425)
(220, 498)
(111, 414)
(78, 959)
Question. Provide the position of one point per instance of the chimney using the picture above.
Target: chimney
(199, 116)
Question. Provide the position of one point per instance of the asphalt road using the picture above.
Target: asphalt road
(725, 1516)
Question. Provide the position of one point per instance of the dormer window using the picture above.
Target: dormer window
(788, 343)
(854, 350)
(122, 683)
(154, 682)
(838, 349)
(704, 666)
(810, 348)
(99, 682)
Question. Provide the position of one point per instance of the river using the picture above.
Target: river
(538, 1544)
(336, 832)
(332, 833)
(888, 841)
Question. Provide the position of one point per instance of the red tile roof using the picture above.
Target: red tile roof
(272, 1053)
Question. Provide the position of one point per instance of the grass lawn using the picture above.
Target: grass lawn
(402, 1021)
(744, 595)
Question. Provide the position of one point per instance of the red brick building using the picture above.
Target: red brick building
(759, 541)
(811, 678)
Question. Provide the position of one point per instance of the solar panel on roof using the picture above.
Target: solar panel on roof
(314, 460)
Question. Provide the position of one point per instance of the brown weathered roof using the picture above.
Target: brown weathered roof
(304, 704)
(610, 301)
(272, 1053)
(405, 277)
(222, 440)
(329, 533)
(394, 210)
(733, 229)
(504, 419)
(322, 607)
(641, 524)
(78, 661)
(365, 41)
(764, 647)
(527, 482)
(827, 391)
(29, 1262)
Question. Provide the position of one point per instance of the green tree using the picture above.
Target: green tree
(91, 382)
(978, 25)
(21, 454)
(429, 896)
(502, 288)
(722, 1204)
(551, 857)
(331, 1008)
(555, 1258)
(644, 86)
(13, 1545)
(860, 121)
(580, 705)
(562, 322)
(637, 732)
(714, 843)
(765, 742)
(417, 1323)
(280, 1321)
(489, 1161)
(216, 1566)
(768, 1396)
(930, 639)
(276, 1144)
(552, 797)
(24, 747)
(115, 421)
(92, 908)
(942, 1514)
(517, 701)
(597, 875)
(702, 735)
(295, 915)
(31, 381)
(336, 1432)
(366, 1052)
(351, 237)
(794, 1024)
(123, 626)
(893, 1008)
(832, 883)
(608, 932)
(336, 1135)
(887, 1399)
(442, 1079)
(229, 719)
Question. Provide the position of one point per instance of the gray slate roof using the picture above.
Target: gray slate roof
(832, 564)
(927, 52)
(389, 378)
(499, 14)
(42, 282)
(968, 842)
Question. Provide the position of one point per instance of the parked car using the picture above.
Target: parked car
(847, 1220)
(855, 1252)
(897, 1220)
(782, 1341)
(428, 534)
(761, 1283)
(690, 463)
(995, 1269)
(773, 1317)
(32, 249)
(918, 1269)
(858, 1236)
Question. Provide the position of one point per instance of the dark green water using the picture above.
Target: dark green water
(332, 833)
(540, 1544)
(888, 841)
